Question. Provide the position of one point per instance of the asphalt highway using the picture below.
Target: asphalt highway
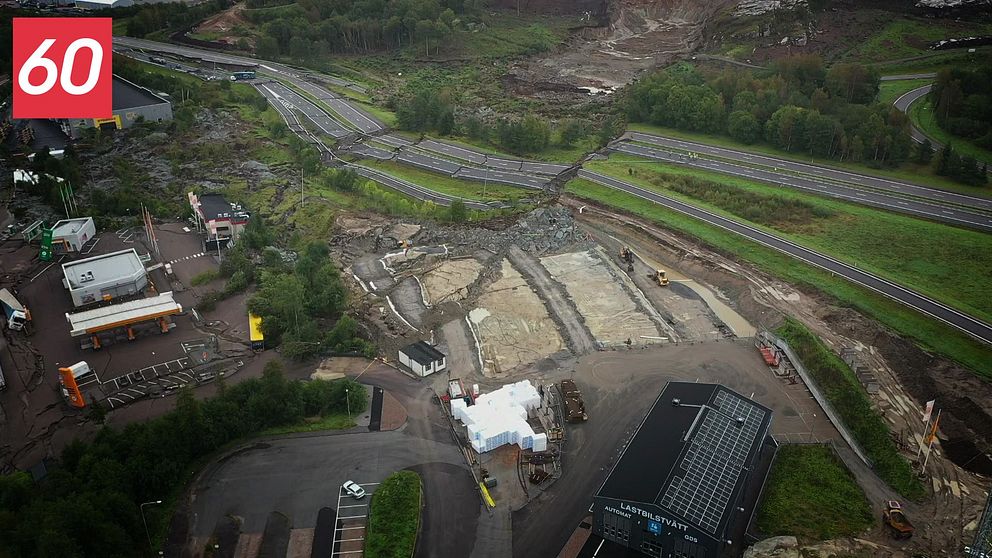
(903, 103)
(418, 192)
(947, 214)
(976, 328)
(222, 58)
(327, 124)
(817, 171)
(355, 116)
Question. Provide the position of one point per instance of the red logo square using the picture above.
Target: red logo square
(62, 67)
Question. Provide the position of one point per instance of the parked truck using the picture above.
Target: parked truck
(896, 520)
(14, 312)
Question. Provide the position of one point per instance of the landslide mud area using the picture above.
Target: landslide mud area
(637, 35)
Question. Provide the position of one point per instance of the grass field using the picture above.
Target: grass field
(811, 495)
(921, 113)
(394, 517)
(947, 263)
(838, 382)
(934, 61)
(927, 332)
(452, 186)
(889, 91)
(314, 424)
(907, 172)
(904, 38)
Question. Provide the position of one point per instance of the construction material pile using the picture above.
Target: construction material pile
(500, 418)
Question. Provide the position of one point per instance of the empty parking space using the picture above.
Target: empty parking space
(352, 520)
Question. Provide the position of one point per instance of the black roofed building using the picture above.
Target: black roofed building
(422, 358)
(222, 220)
(688, 481)
(131, 104)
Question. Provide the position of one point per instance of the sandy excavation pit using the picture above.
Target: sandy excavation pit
(608, 310)
(513, 326)
(450, 280)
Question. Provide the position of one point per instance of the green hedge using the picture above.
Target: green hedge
(840, 386)
(810, 494)
(394, 517)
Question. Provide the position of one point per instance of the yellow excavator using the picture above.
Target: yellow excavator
(661, 277)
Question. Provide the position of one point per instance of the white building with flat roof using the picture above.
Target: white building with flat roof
(104, 277)
(72, 234)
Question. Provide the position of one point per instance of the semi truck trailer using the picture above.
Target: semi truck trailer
(14, 312)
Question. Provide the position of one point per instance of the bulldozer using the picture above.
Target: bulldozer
(627, 257)
(661, 277)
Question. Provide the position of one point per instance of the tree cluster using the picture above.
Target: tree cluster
(962, 169)
(962, 101)
(797, 106)
(302, 306)
(88, 505)
(314, 28)
(150, 18)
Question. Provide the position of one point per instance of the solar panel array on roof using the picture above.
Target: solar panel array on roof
(717, 455)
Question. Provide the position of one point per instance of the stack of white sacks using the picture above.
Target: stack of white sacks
(500, 418)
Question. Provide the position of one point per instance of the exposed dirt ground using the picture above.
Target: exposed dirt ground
(221, 25)
(640, 35)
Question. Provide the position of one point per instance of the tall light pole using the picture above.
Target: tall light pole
(347, 400)
(142, 508)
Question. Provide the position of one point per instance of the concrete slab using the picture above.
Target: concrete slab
(609, 311)
(513, 325)
(449, 281)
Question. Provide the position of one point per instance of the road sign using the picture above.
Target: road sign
(46, 245)
(62, 67)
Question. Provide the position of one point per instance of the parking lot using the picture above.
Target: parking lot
(151, 366)
(352, 522)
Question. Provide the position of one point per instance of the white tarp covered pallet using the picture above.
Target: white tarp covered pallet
(500, 418)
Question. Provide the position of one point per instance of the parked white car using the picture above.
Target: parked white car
(353, 490)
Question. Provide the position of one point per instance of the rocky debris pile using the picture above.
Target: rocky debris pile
(545, 230)
(937, 4)
(758, 7)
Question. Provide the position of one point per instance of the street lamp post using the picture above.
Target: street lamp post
(145, 522)
(347, 400)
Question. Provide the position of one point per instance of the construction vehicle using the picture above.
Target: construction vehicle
(627, 257)
(661, 277)
(896, 520)
(16, 314)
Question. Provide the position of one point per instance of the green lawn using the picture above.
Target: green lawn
(927, 332)
(921, 113)
(841, 387)
(889, 91)
(452, 186)
(907, 172)
(811, 495)
(947, 263)
(394, 517)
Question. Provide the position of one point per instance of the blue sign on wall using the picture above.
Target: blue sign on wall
(654, 527)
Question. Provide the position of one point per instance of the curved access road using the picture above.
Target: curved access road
(903, 103)
(419, 192)
(969, 325)
(829, 175)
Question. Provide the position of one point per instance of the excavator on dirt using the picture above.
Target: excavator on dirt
(896, 520)
(627, 257)
(661, 277)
